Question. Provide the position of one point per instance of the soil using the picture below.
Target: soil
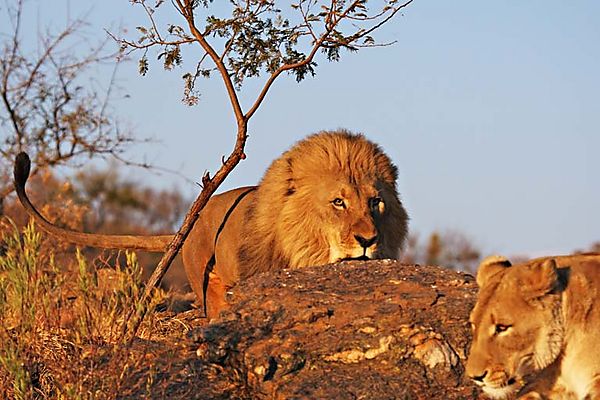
(353, 330)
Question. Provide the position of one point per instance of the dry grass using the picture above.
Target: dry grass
(64, 329)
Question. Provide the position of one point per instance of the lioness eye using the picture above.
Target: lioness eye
(501, 328)
(338, 203)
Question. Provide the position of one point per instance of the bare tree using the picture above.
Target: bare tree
(450, 248)
(258, 37)
(593, 248)
(46, 106)
(117, 203)
(434, 249)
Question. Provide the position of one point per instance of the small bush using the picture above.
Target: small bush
(64, 330)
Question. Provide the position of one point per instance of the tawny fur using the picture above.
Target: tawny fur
(535, 328)
(288, 220)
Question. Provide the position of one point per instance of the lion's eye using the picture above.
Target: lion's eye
(338, 203)
(376, 205)
(501, 328)
(374, 202)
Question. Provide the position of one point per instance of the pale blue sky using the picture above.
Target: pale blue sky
(491, 110)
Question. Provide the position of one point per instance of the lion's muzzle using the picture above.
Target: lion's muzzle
(364, 242)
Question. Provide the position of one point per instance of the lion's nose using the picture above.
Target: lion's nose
(479, 378)
(364, 242)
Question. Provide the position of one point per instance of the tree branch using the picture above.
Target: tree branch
(287, 67)
(188, 13)
(210, 185)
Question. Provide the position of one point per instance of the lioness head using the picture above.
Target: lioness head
(331, 197)
(516, 322)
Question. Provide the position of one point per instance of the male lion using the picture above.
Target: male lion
(536, 328)
(331, 197)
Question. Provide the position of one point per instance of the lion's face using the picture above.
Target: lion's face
(516, 322)
(331, 197)
(350, 216)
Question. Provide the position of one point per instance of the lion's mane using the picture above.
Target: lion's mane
(283, 229)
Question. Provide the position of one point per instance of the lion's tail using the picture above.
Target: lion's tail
(156, 243)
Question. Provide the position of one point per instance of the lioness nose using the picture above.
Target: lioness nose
(366, 243)
(479, 378)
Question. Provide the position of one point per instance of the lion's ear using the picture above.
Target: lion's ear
(489, 267)
(540, 279)
(289, 177)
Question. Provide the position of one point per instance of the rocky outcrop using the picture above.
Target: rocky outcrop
(354, 330)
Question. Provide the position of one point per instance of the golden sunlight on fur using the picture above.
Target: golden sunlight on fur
(331, 197)
(536, 328)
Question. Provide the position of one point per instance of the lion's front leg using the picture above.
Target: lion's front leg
(215, 296)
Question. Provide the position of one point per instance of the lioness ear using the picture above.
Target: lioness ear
(540, 279)
(489, 267)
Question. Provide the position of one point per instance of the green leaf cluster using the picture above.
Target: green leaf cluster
(255, 37)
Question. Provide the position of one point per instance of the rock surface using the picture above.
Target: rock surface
(354, 330)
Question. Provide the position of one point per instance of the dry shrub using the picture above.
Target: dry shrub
(64, 329)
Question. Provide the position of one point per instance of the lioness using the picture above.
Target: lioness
(536, 328)
(330, 197)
